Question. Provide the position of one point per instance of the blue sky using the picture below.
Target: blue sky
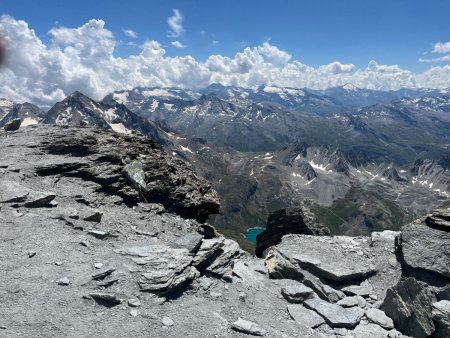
(55, 47)
(314, 32)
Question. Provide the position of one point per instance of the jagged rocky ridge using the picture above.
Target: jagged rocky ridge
(84, 255)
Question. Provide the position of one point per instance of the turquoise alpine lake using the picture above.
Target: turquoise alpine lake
(252, 233)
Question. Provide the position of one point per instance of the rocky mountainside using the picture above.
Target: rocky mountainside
(78, 109)
(358, 169)
(27, 112)
(103, 234)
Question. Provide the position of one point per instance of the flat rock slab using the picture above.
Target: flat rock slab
(364, 289)
(297, 293)
(371, 330)
(352, 301)
(426, 248)
(12, 192)
(248, 327)
(191, 242)
(165, 268)
(305, 316)
(39, 200)
(339, 259)
(336, 316)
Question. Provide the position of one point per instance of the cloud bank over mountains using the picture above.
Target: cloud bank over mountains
(83, 59)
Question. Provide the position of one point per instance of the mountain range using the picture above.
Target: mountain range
(361, 160)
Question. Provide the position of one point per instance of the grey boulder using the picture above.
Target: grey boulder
(410, 304)
(333, 258)
(248, 327)
(426, 249)
(216, 256)
(12, 125)
(378, 317)
(166, 269)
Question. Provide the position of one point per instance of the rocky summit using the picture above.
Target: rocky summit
(104, 234)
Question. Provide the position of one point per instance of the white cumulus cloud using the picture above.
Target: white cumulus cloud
(177, 44)
(130, 33)
(441, 47)
(438, 59)
(84, 59)
(175, 23)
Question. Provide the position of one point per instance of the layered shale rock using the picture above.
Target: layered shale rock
(132, 167)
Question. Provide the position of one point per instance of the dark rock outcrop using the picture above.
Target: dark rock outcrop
(424, 251)
(410, 305)
(12, 125)
(130, 166)
(288, 221)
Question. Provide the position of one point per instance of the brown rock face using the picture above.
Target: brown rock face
(288, 221)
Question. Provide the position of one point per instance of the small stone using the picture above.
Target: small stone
(85, 243)
(297, 293)
(149, 315)
(242, 296)
(377, 316)
(364, 289)
(167, 321)
(63, 281)
(159, 300)
(58, 263)
(31, 253)
(106, 299)
(53, 203)
(98, 265)
(134, 313)
(96, 217)
(134, 302)
(215, 294)
(103, 274)
(98, 234)
(352, 301)
(249, 327)
(41, 201)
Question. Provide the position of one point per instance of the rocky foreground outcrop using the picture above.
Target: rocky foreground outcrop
(102, 235)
